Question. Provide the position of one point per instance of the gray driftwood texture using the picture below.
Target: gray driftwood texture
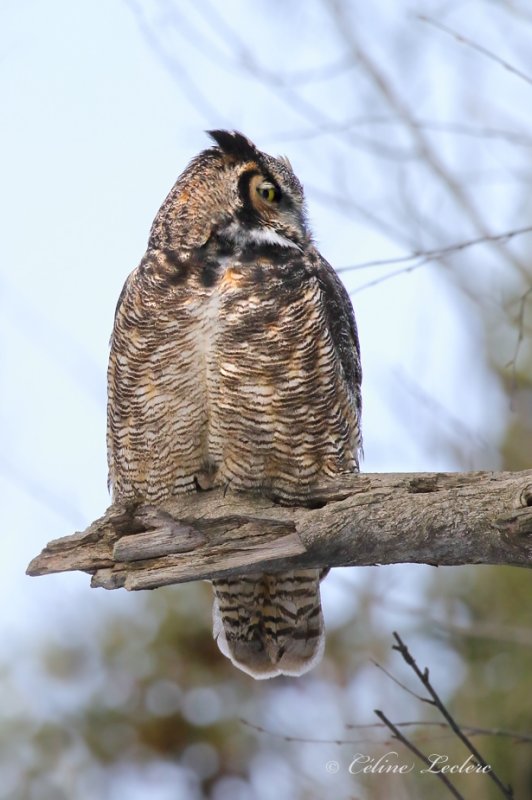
(428, 518)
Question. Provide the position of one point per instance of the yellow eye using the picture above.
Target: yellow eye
(268, 192)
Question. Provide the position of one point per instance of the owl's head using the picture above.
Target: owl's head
(235, 193)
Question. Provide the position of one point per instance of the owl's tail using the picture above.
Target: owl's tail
(270, 625)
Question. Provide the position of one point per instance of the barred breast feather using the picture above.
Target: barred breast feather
(252, 379)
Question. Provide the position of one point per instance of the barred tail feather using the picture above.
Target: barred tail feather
(270, 624)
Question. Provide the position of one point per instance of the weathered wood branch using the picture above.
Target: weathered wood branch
(430, 518)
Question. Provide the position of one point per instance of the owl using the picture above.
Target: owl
(235, 363)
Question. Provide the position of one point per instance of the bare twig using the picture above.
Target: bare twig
(436, 701)
(176, 68)
(475, 46)
(346, 205)
(396, 681)
(452, 184)
(472, 730)
(284, 88)
(454, 128)
(399, 106)
(412, 747)
(447, 430)
(40, 490)
(288, 738)
(424, 256)
(520, 336)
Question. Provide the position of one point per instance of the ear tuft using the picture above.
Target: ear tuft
(234, 144)
(286, 161)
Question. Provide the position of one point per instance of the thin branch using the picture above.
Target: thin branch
(288, 738)
(285, 89)
(475, 46)
(447, 431)
(436, 701)
(412, 747)
(520, 337)
(403, 112)
(454, 128)
(519, 636)
(432, 255)
(383, 278)
(396, 681)
(176, 68)
(247, 61)
(346, 205)
(54, 339)
(426, 259)
(323, 72)
(431, 158)
(39, 490)
(517, 737)
(473, 730)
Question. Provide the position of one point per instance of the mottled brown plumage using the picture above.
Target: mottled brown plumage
(235, 362)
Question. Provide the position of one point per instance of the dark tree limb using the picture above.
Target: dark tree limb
(430, 518)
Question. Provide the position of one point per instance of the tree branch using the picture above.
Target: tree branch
(435, 700)
(417, 752)
(428, 518)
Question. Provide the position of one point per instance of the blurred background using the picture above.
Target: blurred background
(415, 148)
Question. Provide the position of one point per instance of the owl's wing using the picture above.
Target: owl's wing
(342, 327)
(119, 352)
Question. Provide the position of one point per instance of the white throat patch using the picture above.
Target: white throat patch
(244, 236)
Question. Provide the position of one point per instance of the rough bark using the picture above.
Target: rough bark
(429, 518)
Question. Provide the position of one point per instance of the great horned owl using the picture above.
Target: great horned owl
(235, 362)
